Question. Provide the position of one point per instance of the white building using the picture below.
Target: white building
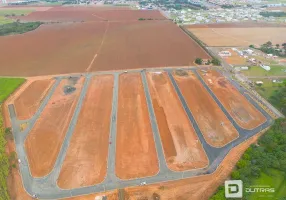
(267, 68)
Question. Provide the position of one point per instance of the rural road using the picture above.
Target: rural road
(47, 188)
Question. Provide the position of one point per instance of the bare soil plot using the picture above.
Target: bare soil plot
(196, 188)
(65, 14)
(46, 137)
(249, 24)
(145, 44)
(51, 49)
(86, 160)
(235, 59)
(27, 103)
(243, 112)
(97, 46)
(240, 36)
(135, 148)
(182, 148)
(216, 128)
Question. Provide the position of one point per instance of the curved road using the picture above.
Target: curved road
(46, 187)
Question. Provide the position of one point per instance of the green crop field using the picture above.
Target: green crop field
(5, 20)
(8, 85)
(14, 12)
(6, 12)
(274, 179)
(276, 70)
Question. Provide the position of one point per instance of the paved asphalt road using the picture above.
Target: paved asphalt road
(46, 187)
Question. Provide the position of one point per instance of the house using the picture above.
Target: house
(224, 54)
(259, 82)
(267, 68)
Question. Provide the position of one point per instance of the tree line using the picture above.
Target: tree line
(18, 27)
(268, 153)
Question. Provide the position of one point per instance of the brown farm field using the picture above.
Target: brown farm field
(46, 137)
(238, 36)
(86, 160)
(243, 112)
(135, 147)
(79, 14)
(27, 103)
(182, 148)
(216, 128)
(97, 46)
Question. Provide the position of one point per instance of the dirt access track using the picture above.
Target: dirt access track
(64, 48)
(45, 139)
(243, 112)
(135, 147)
(86, 160)
(182, 148)
(216, 128)
(28, 102)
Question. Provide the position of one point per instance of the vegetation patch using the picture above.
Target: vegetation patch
(263, 163)
(7, 86)
(18, 28)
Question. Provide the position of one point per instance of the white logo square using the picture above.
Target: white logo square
(233, 189)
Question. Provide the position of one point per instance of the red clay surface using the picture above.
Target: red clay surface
(145, 44)
(45, 139)
(86, 160)
(64, 14)
(27, 103)
(182, 148)
(216, 128)
(51, 49)
(135, 148)
(243, 112)
(97, 46)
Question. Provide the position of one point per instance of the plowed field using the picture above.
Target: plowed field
(216, 128)
(97, 46)
(243, 112)
(45, 139)
(135, 148)
(86, 159)
(182, 148)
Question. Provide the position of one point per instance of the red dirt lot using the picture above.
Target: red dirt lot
(243, 112)
(64, 14)
(145, 44)
(206, 112)
(51, 49)
(86, 160)
(27, 103)
(46, 137)
(182, 148)
(135, 148)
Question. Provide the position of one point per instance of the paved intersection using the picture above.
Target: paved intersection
(46, 187)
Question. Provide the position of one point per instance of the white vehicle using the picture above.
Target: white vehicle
(143, 183)
(19, 160)
(125, 71)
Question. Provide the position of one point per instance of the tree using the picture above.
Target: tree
(268, 44)
(277, 46)
(284, 46)
(199, 61)
(216, 61)
(251, 46)
(235, 175)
